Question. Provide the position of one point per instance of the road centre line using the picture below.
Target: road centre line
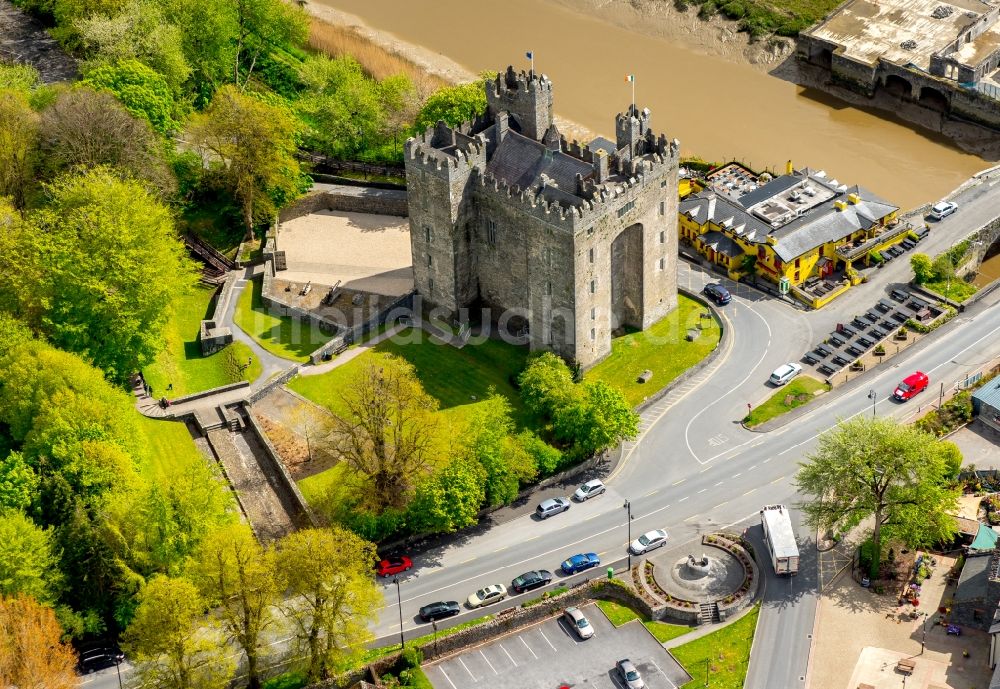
(684, 498)
(718, 484)
(752, 490)
(488, 662)
(527, 646)
(467, 669)
(693, 516)
(702, 491)
(677, 483)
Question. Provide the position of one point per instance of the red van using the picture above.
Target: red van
(910, 386)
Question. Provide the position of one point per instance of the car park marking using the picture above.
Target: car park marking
(546, 639)
(508, 654)
(527, 647)
(488, 662)
(447, 677)
(673, 686)
(467, 669)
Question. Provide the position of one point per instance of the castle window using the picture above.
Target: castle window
(593, 334)
(663, 263)
(591, 254)
(430, 261)
(663, 207)
(760, 253)
(593, 286)
(796, 276)
(428, 233)
(547, 256)
(548, 288)
(626, 208)
(590, 231)
(663, 237)
(593, 314)
(491, 232)
(430, 284)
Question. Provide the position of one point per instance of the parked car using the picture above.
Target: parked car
(393, 565)
(531, 580)
(942, 209)
(581, 625)
(911, 386)
(98, 656)
(629, 675)
(785, 373)
(589, 489)
(488, 595)
(717, 293)
(580, 562)
(439, 610)
(546, 508)
(651, 540)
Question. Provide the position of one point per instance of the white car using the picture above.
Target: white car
(589, 490)
(581, 626)
(485, 596)
(784, 373)
(942, 209)
(648, 541)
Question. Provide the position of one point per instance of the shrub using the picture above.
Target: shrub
(922, 267)
(734, 10)
(412, 656)
(708, 10)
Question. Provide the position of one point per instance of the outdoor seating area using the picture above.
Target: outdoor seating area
(850, 341)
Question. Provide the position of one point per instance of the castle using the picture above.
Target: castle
(560, 242)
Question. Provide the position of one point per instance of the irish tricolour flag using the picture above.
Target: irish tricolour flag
(630, 78)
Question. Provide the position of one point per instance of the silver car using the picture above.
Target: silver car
(589, 490)
(629, 675)
(546, 508)
(648, 541)
(580, 624)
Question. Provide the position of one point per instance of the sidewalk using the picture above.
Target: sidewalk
(349, 355)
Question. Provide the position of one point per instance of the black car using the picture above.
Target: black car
(439, 610)
(717, 293)
(98, 657)
(531, 580)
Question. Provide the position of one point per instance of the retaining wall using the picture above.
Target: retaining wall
(212, 335)
(380, 201)
(280, 472)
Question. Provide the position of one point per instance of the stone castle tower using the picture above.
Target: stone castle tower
(563, 242)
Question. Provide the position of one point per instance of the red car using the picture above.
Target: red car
(393, 565)
(911, 386)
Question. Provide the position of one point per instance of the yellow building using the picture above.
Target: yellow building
(801, 226)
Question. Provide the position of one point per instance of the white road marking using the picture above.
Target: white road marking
(684, 498)
(693, 516)
(508, 655)
(702, 491)
(488, 662)
(718, 484)
(677, 483)
(662, 673)
(752, 490)
(447, 677)
(546, 639)
(527, 647)
(467, 669)
(737, 475)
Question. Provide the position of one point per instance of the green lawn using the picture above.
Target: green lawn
(619, 614)
(722, 654)
(662, 349)
(957, 290)
(286, 337)
(801, 390)
(170, 446)
(181, 362)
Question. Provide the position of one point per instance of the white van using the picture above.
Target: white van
(784, 373)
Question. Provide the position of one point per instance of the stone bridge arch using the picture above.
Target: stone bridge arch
(934, 99)
(896, 85)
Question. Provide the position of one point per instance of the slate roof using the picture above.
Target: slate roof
(989, 394)
(972, 582)
(772, 188)
(710, 205)
(722, 244)
(521, 162)
(608, 145)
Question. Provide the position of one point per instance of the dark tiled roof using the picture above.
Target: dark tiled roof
(973, 580)
(989, 394)
(521, 162)
(608, 145)
(708, 205)
(722, 244)
(772, 188)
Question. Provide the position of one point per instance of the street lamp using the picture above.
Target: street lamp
(628, 522)
(707, 660)
(399, 601)
(118, 666)
(872, 395)
(923, 638)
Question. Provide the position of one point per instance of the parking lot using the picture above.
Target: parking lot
(549, 655)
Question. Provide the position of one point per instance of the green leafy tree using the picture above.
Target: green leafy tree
(547, 385)
(254, 144)
(450, 499)
(260, 26)
(489, 440)
(106, 300)
(143, 92)
(237, 575)
(386, 435)
(18, 483)
(454, 104)
(922, 268)
(547, 458)
(27, 563)
(333, 597)
(601, 419)
(943, 268)
(175, 644)
(208, 39)
(878, 468)
(19, 126)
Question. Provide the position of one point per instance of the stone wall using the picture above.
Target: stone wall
(379, 201)
(273, 300)
(212, 336)
(280, 473)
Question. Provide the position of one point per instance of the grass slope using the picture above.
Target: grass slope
(181, 362)
(619, 614)
(802, 390)
(286, 337)
(725, 652)
(662, 349)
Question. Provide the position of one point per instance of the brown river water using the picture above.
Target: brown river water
(718, 108)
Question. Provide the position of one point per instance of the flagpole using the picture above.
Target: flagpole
(532, 61)
(633, 92)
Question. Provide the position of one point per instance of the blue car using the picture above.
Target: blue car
(580, 562)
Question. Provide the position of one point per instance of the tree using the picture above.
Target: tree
(333, 596)
(97, 270)
(84, 128)
(18, 482)
(386, 435)
(878, 468)
(547, 458)
(454, 104)
(18, 146)
(489, 441)
(547, 385)
(237, 574)
(32, 654)
(208, 38)
(601, 419)
(943, 268)
(143, 92)
(254, 144)
(449, 499)
(922, 268)
(177, 646)
(260, 26)
(27, 563)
